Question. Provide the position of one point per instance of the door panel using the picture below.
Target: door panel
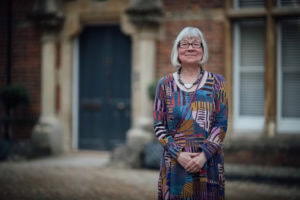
(104, 93)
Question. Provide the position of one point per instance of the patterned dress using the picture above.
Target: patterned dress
(202, 129)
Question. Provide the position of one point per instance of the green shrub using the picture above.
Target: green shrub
(152, 90)
(13, 95)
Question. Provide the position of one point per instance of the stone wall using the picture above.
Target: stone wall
(277, 151)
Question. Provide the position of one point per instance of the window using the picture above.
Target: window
(249, 48)
(249, 3)
(288, 75)
(266, 94)
(289, 3)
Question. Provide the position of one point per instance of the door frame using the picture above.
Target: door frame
(75, 96)
(143, 57)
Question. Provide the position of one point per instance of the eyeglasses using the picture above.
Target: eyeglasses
(186, 45)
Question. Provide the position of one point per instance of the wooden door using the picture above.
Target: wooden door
(104, 93)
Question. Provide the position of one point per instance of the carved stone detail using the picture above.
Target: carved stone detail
(145, 12)
(47, 15)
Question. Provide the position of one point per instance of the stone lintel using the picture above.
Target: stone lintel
(144, 12)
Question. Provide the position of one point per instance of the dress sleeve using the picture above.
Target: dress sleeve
(160, 121)
(217, 134)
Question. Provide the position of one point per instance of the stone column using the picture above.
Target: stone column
(65, 83)
(47, 134)
(144, 19)
(143, 71)
(48, 75)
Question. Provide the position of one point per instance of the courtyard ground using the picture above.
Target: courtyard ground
(87, 176)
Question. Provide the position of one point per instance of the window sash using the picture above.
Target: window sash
(288, 3)
(288, 76)
(249, 76)
(248, 4)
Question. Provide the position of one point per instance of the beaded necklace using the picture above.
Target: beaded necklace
(188, 85)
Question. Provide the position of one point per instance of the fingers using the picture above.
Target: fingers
(194, 154)
(193, 170)
(183, 158)
(192, 167)
(189, 161)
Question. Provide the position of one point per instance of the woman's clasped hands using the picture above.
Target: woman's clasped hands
(191, 162)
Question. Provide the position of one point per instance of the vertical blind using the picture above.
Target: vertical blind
(290, 67)
(252, 47)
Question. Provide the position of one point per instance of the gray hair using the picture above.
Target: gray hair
(189, 32)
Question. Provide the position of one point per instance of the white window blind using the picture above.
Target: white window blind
(249, 3)
(289, 3)
(249, 73)
(251, 69)
(290, 68)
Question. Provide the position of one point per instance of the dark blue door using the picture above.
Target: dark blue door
(104, 87)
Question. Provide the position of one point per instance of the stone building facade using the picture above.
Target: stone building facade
(248, 44)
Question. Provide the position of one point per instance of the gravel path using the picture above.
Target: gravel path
(85, 176)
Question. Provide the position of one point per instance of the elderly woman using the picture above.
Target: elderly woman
(190, 122)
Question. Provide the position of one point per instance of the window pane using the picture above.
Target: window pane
(249, 3)
(252, 48)
(252, 44)
(291, 95)
(290, 3)
(252, 94)
(290, 44)
(290, 62)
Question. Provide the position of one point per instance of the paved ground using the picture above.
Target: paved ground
(86, 176)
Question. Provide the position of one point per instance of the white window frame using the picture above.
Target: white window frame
(242, 124)
(236, 5)
(279, 4)
(284, 124)
(75, 109)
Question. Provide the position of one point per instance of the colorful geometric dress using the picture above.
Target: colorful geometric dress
(202, 129)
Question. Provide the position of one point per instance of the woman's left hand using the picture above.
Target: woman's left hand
(196, 163)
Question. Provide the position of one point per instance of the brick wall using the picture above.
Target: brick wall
(3, 40)
(181, 13)
(25, 63)
(282, 150)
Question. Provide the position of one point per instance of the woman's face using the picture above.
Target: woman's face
(190, 51)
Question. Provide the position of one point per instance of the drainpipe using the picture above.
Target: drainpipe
(9, 41)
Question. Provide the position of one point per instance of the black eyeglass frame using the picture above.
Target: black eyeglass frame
(191, 44)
